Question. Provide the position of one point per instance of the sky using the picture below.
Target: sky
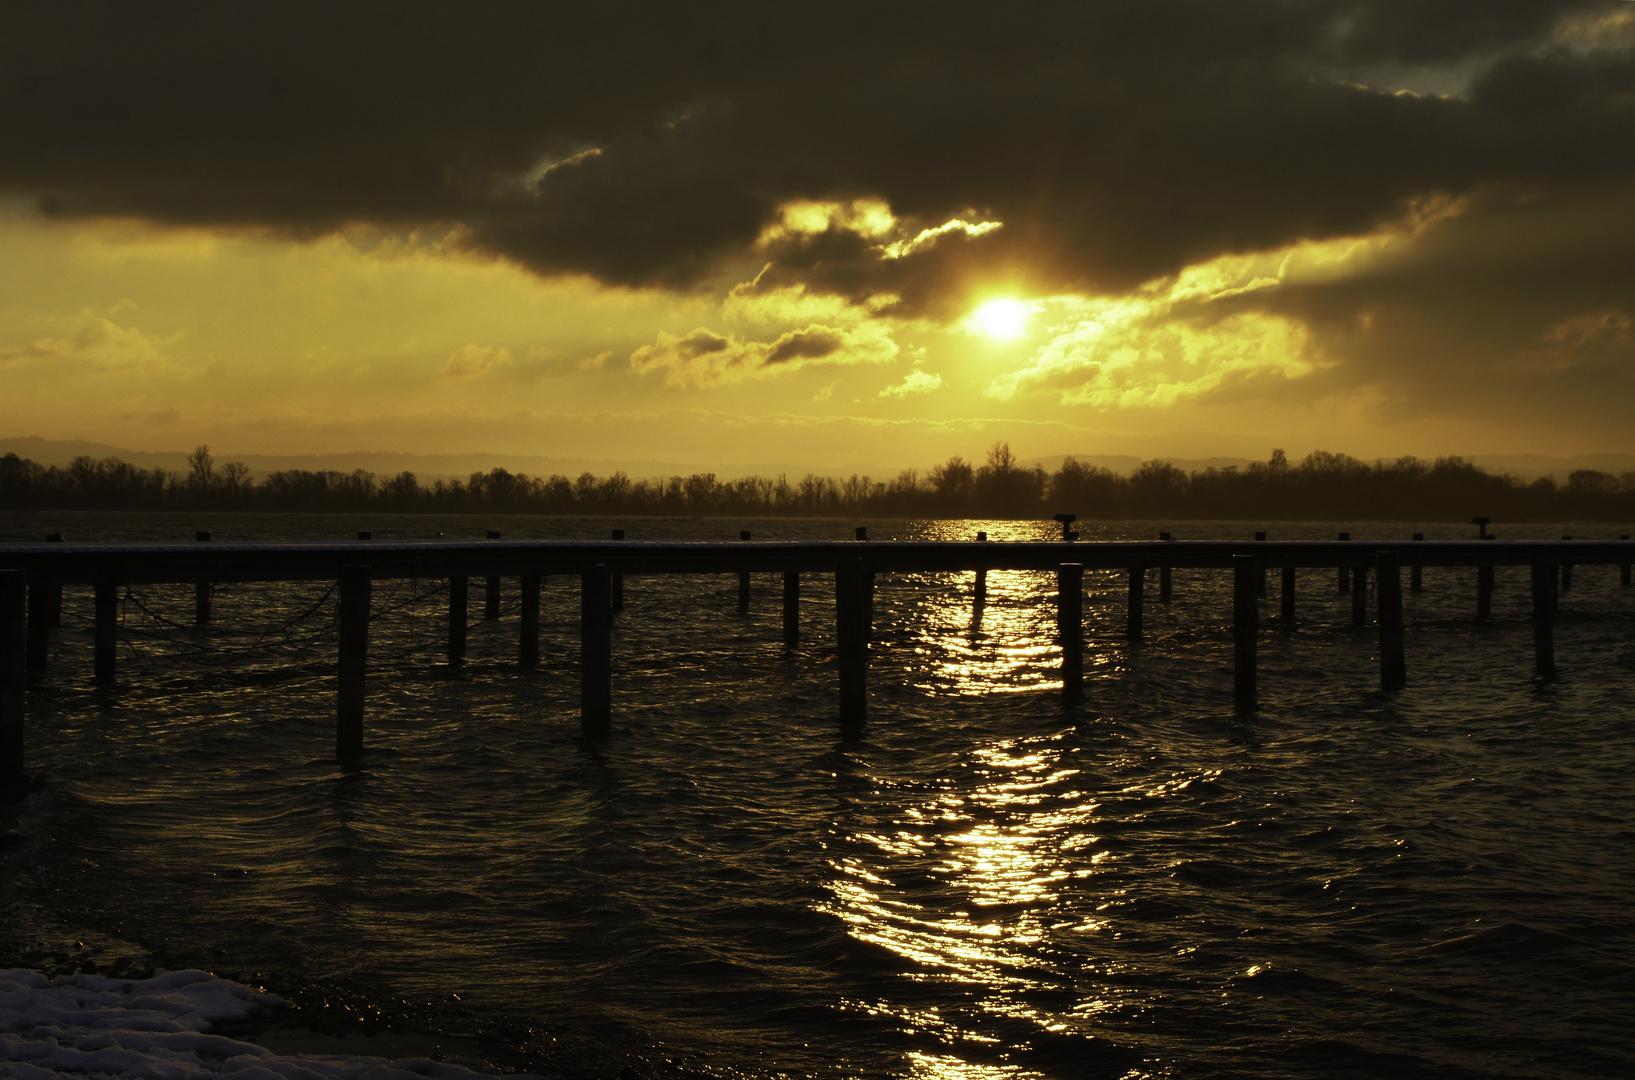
(821, 236)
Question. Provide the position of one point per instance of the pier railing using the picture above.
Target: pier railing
(32, 577)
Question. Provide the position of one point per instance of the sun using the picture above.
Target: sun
(1002, 320)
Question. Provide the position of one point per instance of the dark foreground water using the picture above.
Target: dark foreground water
(1433, 883)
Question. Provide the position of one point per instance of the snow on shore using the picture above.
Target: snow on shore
(92, 1027)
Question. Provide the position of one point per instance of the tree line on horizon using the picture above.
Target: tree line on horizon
(1322, 487)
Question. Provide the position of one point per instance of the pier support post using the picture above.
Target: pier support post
(1286, 598)
(1544, 619)
(39, 623)
(1393, 644)
(1484, 591)
(201, 589)
(528, 622)
(1245, 629)
(1138, 602)
(1163, 578)
(791, 607)
(852, 637)
(356, 589)
(13, 677)
(1416, 574)
(743, 582)
(1623, 568)
(618, 579)
(979, 598)
(596, 653)
(1566, 569)
(458, 593)
(1260, 578)
(54, 612)
(1345, 571)
(106, 640)
(1359, 596)
(1070, 629)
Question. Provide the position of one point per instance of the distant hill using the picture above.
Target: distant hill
(1521, 466)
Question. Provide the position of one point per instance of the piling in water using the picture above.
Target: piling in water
(1163, 577)
(1544, 619)
(528, 622)
(1416, 573)
(356, 588)
(457, 596)
(53, 613)
(1345, 571)
(1245, 629)
(1070, 629)
(1566, 569)
(1135, 611)
(979, 596)
(1623, 568)
(618, 579)
(491, 597)
(791, 607)
(201, 590)
(1484, 591)
(39, 627)
(596, 652)
(106, 648)
(1359, 596)
(1286, 598)
(1393, 643)
(743, 581)
(13, 677)
(852, 640)
(1260, 579)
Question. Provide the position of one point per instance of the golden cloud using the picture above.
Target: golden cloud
(706, 358)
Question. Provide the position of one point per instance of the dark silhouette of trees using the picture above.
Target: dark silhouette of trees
(1322, 487)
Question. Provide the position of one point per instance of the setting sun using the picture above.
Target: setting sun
(1002, 320)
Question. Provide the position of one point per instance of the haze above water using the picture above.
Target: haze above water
(1430, 883)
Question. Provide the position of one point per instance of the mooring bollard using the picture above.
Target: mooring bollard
(54, 611)
(852, 640)
(596, 652)
(1359, 596)
(1138, 602)
(106, 641)
(39, 623)
(528, 622)
(458, 592)
(1393, 642)
(1070, 629)
(791, 607)
(1345, 571)
(618, 579)
(1245, 629)
(201, 590)
(1416, 573)
(352, 666)
(743, 581)
(1544, 618)
(1260, 580)
(1484, 591)
(13, 678)
(1566, 569)
(979, 599)
(1163, 577)
(1286, 598)
(491, 598)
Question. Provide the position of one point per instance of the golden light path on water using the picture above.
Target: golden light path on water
(1007, 844)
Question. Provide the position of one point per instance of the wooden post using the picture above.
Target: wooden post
(1137, 604)
(1163, 577)
(1484, 591)
(353, 664)
(1359, 596)
(528, 622)
(201, 590)
(852, 637)
(1287, 596)
(107, 634)
(53, 613)
(862, 532)
(1245, 628)
(1623, 568)
(618, 579)
(791, 607)
(39, 623)
(743, 582)
(1393, 646)
(1070, 629)
(979, 599)
(13, 678)
(1260, 580)
(596, 653)
(1345, 571)
(1544, 618)
(491, 598)
(1416, 574)
(1566, 569)
(457, 595)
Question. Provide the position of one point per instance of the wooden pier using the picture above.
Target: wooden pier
(32, 577)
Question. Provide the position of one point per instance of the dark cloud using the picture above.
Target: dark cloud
(1116, 141)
